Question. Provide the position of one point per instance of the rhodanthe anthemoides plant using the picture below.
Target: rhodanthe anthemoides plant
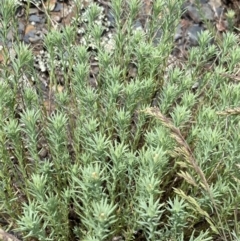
(135, 150)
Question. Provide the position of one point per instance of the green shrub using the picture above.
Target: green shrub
(153, 153)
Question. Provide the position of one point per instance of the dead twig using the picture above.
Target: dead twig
(4, 236)
(231, 76)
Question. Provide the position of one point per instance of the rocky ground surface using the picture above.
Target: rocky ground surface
(32, 29)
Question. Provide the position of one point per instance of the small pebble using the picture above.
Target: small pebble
(193, 13)
(34, 18)
(10, 35)
(137, 25)
(193, 32)
(33, 11)
(34, 39)
(215, 3)
(21, 27)
(58, 7)
(43, 152)
(219, 11)
(42, 66)
(56, 18)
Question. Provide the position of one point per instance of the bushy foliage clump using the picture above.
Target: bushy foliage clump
(153, 155)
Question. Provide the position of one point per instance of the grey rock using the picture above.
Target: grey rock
(219, 11)
(21, 29)
(215, 3)
(30, 34)
(10, 35)
(35, 18)
(199, 13)
(193, 13)
(137, 25)
(193, 32)
(58, 7)
(207, 12)
(33, 11)
(43, 153)
(26, 39)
